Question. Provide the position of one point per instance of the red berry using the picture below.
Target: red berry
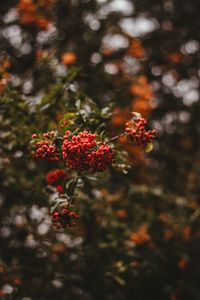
(82, 152)
(45, 148)
(64, 218)
(34, 136)
(135, 129)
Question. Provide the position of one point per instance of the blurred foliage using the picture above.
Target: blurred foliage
(138, 235)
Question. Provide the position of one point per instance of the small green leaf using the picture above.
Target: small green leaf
(70, 185)
(72, 73)
(78, 104)
(69, 182)
(136, 115)
(105, 112)
(119, 280)
(149, 147)
(92, 178)
(69, 115)
(90, 102)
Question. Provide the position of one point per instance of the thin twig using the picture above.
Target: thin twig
(115, 137)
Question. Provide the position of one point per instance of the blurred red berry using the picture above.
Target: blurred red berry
(135, 129)
(60, 189)
(45, 149)
(64, 219)
(56, 177)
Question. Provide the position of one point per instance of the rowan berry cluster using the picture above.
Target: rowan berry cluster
(135, 129)
(65, 218)
(57, 179)
(101, 158)
(82, 152)
(44, 147)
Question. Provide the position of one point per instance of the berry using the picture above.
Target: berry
(64, 218)
(135, 129)
(44, 147)
(56, 177)
(102, 158)
(34, 136)
(82, 152)
(60, 188)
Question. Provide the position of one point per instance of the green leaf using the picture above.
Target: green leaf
(149, 147)
(69, 183)
(119, 280)
(136, 115)
(78, 104)
(92, 178)
(105, 111)
(69, 115)
(72, 73)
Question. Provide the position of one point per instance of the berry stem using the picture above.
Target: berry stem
(73, 189)
(115, 137)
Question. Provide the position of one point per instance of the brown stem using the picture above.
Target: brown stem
(115, 137)
(73, 189)
(75, 183)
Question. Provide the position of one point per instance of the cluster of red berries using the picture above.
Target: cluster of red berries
(57, 178)
(63, 219)
(44, 147)
(82, 152)
(135, 129)
(101, 158)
